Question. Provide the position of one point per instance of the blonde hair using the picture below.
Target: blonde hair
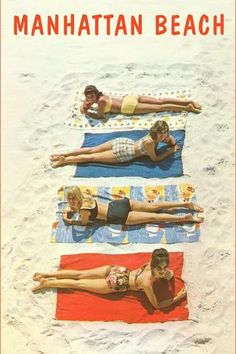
(80, 199)
(76, 193)
(160, 126)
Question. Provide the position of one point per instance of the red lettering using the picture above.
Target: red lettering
(160, 24)
(70, 24)
(37, 25)
(189, 25)
(108, 23)
(84, 25)
(96, 18)
(121, 25)
(174, 24)
(203, 18)
(136, 25)
(21, 25)
(220, 24)
(53, 25)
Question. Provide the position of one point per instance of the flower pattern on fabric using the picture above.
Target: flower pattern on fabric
(118, 278)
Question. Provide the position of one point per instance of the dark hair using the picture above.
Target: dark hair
(160, 126)
(92, 89)
(159, 256)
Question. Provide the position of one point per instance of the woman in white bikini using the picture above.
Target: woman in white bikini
(122, 149)
(115, 278)
(132, 104)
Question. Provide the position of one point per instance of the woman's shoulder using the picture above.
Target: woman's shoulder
(88, 202)
(147, 140)
(66, 209)
(103, 98)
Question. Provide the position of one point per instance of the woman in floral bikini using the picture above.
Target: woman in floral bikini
(115, 278)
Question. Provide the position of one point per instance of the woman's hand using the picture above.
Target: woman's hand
(181, 294)
(85, 106)
(175, 148)
(65, 217)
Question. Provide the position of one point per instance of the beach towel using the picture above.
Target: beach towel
(131, 306)
(79, 121)
(141, 167)
(150, 233)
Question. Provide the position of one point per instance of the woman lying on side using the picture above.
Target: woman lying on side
(115, 278)
(132, 104)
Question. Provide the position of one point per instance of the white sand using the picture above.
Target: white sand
(40, 77)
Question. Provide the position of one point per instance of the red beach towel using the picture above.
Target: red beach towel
(131, 306)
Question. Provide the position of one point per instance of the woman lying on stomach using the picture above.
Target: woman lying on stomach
(126, 211)
(121, 150)
(115, 278)
(132, 104)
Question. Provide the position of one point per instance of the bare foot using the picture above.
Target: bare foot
(193, 109)
(39, 286)
(55, 157)
(196, 105)
(195, 207)
(195, 219)
(38, 276)
(59, 163)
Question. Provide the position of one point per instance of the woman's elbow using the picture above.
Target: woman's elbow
(101, 116)
(83, 223)
(155, 158)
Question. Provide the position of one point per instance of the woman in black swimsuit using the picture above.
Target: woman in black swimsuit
(125, 211)
(115, 278)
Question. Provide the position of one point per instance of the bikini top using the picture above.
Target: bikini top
(93, 211)
(108, 105)
(141, 146)
(141, 269)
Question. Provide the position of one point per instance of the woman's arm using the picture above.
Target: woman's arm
(170, 140)
(85, 106)
(165, 303)
(84, 214)
(150, 148)
(66, 218)
(100, 113)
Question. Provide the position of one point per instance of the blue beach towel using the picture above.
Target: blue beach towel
(150, 233)
(141, 167)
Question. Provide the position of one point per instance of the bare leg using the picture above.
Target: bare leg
(98, 286)
(149, 108)
(152, 207)
(95, 273)
(175, 101)
(89, 150)
(138, 217)
(106, 156)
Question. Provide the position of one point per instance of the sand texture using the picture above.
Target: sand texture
(40, 78)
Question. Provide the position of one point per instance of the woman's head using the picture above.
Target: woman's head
(74, 198)
(92, 93)
(160, 129)
(159, 262)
